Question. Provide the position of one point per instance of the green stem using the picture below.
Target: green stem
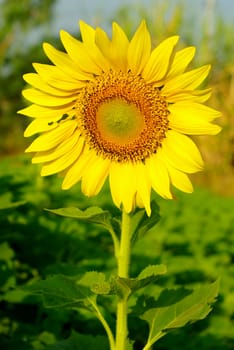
(106, 326)
(147, 347)
(151, 341)
(123, 271)
(115, 242)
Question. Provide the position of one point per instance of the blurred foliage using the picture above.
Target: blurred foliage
(26, 24)
(24, 15)
(20, 23)
(194, 238)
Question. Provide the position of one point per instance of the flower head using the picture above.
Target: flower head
(119, 109)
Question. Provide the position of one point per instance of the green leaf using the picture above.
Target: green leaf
(141, 223)
(121, 287)
(175, 309)
(149, 275)
(94, 215)
(7, 273)
(126, 286)
(78, 341)
(6, 253)
(6, 202)
(152, 271)
(19, 296)
(96, 281)
(60, 291)
(46, 338)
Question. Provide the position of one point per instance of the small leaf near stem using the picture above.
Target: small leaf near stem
(93, 215)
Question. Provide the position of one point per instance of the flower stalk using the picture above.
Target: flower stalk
(123, 271)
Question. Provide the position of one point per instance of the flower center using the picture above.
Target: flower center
(119, 122)
(122, 117)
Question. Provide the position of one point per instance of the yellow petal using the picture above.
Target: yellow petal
(64, 62)
(57, 78)
(199, 96)
(52, 138)
(102, 41)
(62, 148)
(45, 99)
(143, 186)
(37, 82)
(158, 63)
(193, 118)
(139, 49)
(78, 53)
(75, 172)
(181, 152)
(179, 179)
(100, 51)
(63, 161)
(115, 50)
(39, 125)
(50, 113)
(193, 110)
(181, 61)
(88, 35)
(189, 80)
(120, 45)
(123, 185)
(95, 175)
(140, 204)
(159, 175)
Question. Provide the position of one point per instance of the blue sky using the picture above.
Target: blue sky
(68, 12)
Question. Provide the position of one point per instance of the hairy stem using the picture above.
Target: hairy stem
(106, 326)
(123, 271)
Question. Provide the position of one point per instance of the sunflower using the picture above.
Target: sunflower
(118, 109)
